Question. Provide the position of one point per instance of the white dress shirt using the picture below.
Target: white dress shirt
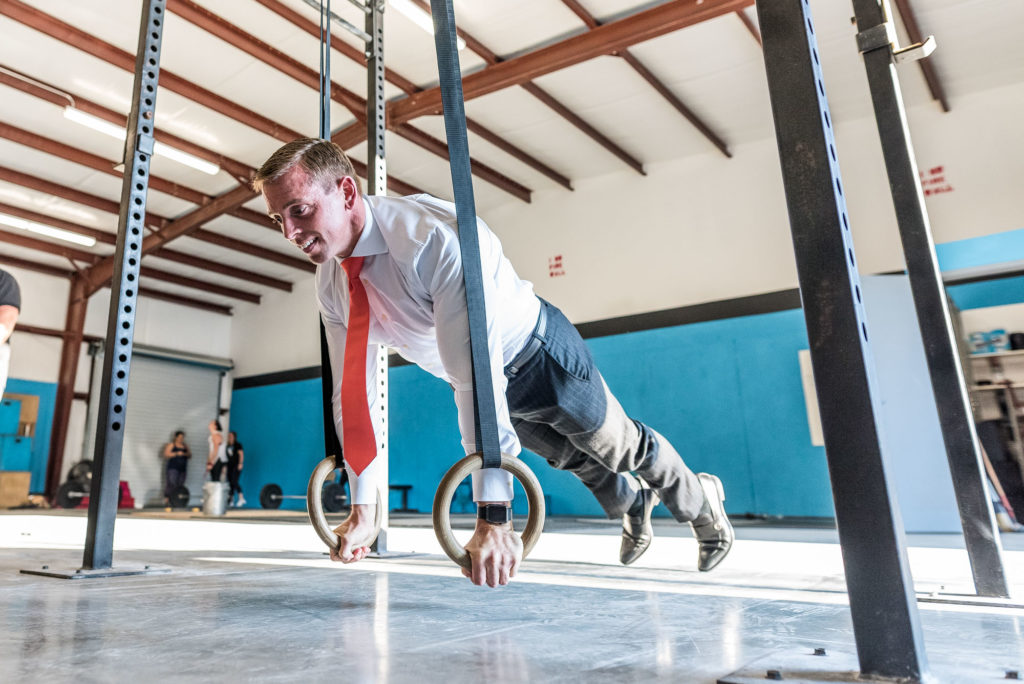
(412, 272)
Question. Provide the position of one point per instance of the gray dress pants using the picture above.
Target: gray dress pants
(562, 410)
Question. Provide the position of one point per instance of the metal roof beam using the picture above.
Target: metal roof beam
(75, 255)
(61, 31)
(28, 85)
(606, 39)
(143, 292)
(164, 253)
(575, 120)
(66, 33)
(603, 40)
(158, 223)
(656, 83)
(409, 87)
(274, 58)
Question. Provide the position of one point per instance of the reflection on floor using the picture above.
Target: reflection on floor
(253, 598)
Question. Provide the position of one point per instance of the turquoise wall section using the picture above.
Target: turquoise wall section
(988, 293)
(726, 393)
(281, 430)
(47, 393)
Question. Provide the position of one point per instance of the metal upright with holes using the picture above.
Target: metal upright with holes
(878, 43)
(373, 38)
(138, 149)
(882, 602)
(377, 184)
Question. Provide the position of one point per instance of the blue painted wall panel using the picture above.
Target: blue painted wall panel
(988, 293)
(726, 393)
(788, 475)
(996, 248)
(47, 393)
(281, 430)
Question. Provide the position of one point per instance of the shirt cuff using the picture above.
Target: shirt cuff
(492, 484)
(364, 487)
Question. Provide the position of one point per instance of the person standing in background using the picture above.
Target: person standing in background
(10, 308)
(236, 459)
(177, 454)
(217, 456)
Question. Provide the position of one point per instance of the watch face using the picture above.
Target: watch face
(496, 515)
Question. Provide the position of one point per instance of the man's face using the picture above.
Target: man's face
(324, 222)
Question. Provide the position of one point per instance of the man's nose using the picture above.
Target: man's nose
(288, 229)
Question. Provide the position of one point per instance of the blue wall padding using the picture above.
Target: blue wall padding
(988, 293)
(984, 250)
(726, 393)
(47, 393)
(281, 431)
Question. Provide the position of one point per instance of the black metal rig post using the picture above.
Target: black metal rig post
(882, 603)
(124, 289)
(878, 43)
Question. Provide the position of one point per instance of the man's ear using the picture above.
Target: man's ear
(347, 185)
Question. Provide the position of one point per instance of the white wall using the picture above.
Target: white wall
(279, 334)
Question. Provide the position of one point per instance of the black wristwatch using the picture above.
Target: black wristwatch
(495, 514)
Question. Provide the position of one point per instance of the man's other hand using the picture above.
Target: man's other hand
(495, 551)
(354, 534)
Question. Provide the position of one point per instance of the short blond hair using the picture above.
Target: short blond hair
(323, 160)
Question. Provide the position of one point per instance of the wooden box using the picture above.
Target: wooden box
(14, 487)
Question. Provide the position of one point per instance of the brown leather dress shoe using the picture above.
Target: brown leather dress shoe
(714, 537)
(637, 532)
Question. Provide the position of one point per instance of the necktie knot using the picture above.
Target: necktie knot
(352, 266)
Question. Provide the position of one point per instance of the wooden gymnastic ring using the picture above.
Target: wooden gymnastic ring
(315, 507)
(452, 479)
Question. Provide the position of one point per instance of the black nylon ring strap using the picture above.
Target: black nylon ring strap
(332, 445)
(485, 412)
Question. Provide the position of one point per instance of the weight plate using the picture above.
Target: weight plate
(270, 496)
(81, 472)
(70, 494)
(180, 496)
(334, 497)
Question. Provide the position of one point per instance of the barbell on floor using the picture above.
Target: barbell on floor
(332, 496)
(71, 493)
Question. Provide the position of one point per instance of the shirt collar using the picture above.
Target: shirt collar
(371, 240)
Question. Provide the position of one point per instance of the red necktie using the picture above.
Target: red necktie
(358, 440)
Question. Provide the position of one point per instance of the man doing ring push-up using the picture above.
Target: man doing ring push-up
(389, 271)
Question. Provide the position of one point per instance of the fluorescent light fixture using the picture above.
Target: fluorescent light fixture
(107, 128)
(417, 16)
(48, 231)
(185, 158)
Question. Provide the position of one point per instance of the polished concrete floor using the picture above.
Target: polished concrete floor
(252, 598)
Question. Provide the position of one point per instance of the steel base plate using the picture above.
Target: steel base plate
(99, 573)
(803, 667)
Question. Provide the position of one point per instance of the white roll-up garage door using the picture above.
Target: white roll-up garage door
(165, 394)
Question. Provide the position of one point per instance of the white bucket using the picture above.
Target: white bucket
(215, 498)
